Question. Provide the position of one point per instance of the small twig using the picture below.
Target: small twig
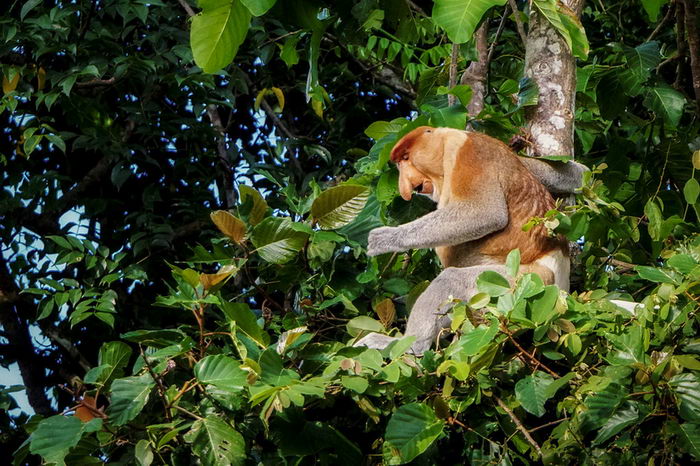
(159, 383)
(518, 21)
(544, 426)
(522, 350)
(454, 57)
(189, 413)
(416, 7)
(498, 35)
(187, 7)
(95, 83)
(199, 316)
(662, 23)
(519, 425)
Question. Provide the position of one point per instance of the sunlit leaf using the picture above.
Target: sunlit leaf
(338, 206)
(229, 225)
(217, 33)
(215, 442)
(410, 431)
(459, 18)
(276, 241)
(129, 396)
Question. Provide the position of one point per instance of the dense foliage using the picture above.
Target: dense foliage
(184, 224)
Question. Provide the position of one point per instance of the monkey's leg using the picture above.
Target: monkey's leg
(429, 313)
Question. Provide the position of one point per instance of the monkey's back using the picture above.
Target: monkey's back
(525, 198)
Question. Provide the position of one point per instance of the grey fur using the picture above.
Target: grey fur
(557, 177)
(456, 223)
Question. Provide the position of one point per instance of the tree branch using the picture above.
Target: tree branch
(691, 29)
(477, 72)
(519, 425)
(187, 7)
(454, 57)
(518, 21)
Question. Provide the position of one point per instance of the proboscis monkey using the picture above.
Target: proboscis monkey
(485, 193)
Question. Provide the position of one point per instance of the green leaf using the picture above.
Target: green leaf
(513, 262)
(354, 383)
(687, 389)
(258, 7)
(55, 436)
(542, 307)
(666, 102)
(492, 283)
(254, 202)
(362, 324)
(628, 414)
(600, 406)
(28, 6)
(459, 18)
(656, 275)
(129, 396)
(653, 7)
(463, 92)
(276, 241)
(579, 41)
(684, 263)
(288, 53)
(473, 342)
(550, 11)
(379, 129)
(409, 432)
(531, 392)
(217, 33)
(691, 190)
(116, 355)
(143, 452)
(689, 436)
(338, 206)
(215, 442)
(655, 217)
(245, 320)
(221, 371)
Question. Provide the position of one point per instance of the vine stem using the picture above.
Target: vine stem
(519, 425)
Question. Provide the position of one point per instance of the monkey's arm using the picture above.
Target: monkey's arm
(455, 223)
(557, 177)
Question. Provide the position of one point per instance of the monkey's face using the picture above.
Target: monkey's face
(418, 156)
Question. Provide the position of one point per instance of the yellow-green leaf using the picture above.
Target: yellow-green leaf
(339, 205)
(229, 225)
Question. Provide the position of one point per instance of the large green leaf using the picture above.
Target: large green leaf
(473, 342)
(666, 102)
(579, 41)
(258, 7)
(653, 7)
(629, 413)
(550, 11)
(276, 241)
(222, 372)
(687, 389)
(492, 283)
(116, 355)
(338, 206)
(216, 443)
(601, 406)
(217, 32)
(689, 436)
(542, 307)
(129, 396)
(410, 431)
(532, 392)
(245, 320)
(54, 437)
(459, 18)
(252, 204)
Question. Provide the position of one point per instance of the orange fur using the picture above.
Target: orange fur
(480, 161)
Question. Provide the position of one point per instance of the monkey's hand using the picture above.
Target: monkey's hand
(384, 239)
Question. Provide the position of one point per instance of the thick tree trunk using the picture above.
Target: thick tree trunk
(550, 63)
(477, 72)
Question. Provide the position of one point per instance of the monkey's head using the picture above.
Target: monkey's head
(418, 156)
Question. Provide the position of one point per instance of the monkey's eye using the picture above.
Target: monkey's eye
(428, 130)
